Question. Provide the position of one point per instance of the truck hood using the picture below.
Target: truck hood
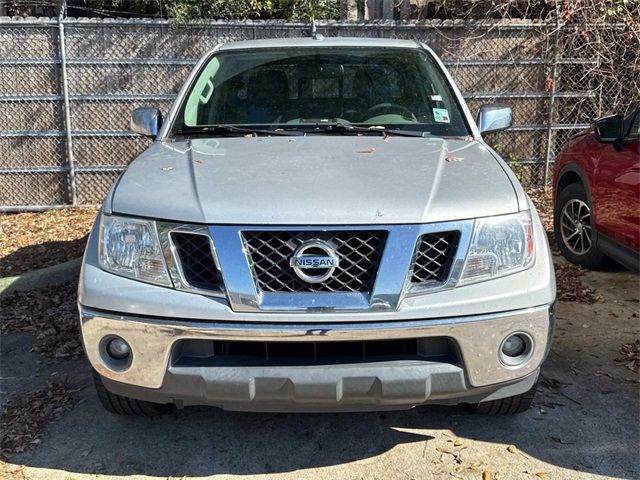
(315, 180)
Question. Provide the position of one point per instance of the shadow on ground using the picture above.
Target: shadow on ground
(40, 256)
(585, 422)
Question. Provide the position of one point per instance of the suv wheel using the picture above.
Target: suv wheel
(574, 230)
(121, 405)
(507, 406)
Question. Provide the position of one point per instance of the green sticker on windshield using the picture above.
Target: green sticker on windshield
(441, 115)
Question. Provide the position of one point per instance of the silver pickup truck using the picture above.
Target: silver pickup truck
(317, 226)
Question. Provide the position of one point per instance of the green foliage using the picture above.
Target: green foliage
(517, 167)
(293, 10)
(514, 162)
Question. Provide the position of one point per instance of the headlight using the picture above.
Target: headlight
(130, 247)
(500, 246)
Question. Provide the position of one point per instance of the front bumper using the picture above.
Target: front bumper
(478, 375)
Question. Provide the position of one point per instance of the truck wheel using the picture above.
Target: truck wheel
(121, 405)
(574, 228)
(507, 406)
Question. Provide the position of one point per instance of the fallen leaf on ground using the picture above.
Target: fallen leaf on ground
(542, 474)
(569, 286)
(559, 440)
(9, 471)
(457, 442)
(51, 315)
(512, 449)
(24, 417)
(630, 356)
(487, 475)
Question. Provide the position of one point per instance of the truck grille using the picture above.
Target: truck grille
(359, 251)
(196, 259)
(433, 256)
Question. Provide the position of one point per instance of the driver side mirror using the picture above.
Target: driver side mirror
(494, 117)
(146, 121)
(608, 129)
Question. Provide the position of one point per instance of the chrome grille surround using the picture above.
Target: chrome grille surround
(167, 233)
(433, 257)
(393, 280)
(270, 251)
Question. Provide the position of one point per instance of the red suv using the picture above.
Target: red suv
(597, 193)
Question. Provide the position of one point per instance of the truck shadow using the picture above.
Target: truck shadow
(41, 255)
(200, 441)
(585, 418)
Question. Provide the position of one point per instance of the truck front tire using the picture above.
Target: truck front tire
(507, 406)
(121, 405)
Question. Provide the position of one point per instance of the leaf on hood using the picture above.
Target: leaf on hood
(367, 151)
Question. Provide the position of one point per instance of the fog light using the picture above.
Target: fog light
(117, 348)
(514, 346)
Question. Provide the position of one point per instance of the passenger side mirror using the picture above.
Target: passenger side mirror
(609, 129)
(146, 121)
(494, 117)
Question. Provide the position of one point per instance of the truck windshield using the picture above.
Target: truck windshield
(315, 89)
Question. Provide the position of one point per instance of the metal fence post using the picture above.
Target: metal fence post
(552, 98)
(67, 111)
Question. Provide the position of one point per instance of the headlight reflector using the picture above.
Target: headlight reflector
(500, 246)
(130, 247)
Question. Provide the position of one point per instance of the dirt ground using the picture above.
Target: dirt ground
(585, 422)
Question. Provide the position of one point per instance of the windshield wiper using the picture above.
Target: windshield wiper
(210, 130)
(347, 128)
(233, 130)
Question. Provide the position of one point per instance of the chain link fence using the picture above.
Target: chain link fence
(68, 86)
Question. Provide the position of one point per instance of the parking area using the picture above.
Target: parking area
(585, 422)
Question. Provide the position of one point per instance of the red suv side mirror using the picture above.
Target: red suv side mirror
(609, 129)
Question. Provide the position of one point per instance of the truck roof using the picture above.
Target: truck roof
(321, 42)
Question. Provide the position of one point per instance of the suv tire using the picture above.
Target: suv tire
(573, 201)
(121, 405)
(507, 406)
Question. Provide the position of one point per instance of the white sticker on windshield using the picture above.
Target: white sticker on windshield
(441, 115)
(436, 98)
